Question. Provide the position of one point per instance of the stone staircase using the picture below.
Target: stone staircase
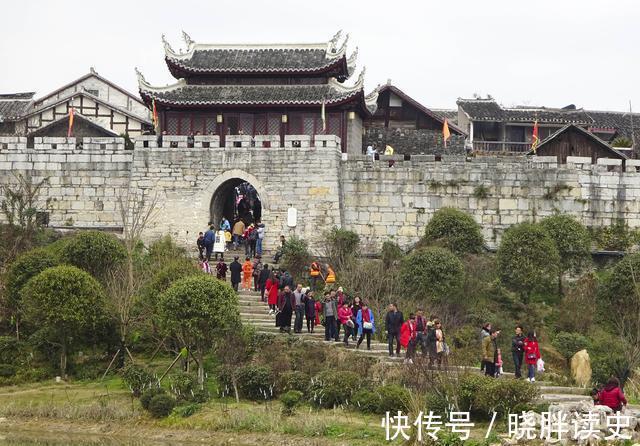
(255, 312)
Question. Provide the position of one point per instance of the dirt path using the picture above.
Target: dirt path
(107, 434)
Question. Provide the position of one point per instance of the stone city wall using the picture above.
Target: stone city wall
(382, 202)
(326, 187)
(84, 177)
(413, 141)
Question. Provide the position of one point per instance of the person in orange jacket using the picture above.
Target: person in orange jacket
(247, 272)
(331, 276)
(314, 273)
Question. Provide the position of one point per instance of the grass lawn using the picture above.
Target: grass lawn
(92, 409)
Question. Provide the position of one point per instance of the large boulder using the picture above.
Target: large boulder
(581, 368)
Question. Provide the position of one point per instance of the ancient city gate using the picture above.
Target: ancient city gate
(194, 184)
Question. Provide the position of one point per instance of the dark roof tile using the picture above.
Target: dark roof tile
(249, 95)
(15, 105)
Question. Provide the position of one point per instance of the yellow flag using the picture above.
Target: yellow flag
(446, 134)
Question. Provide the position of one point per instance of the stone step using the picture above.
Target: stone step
(562, 398)
(564, 390)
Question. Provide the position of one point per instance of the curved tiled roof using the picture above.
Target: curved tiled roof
(490, 110)
(260, 58)
(13, 106)
(184, 94)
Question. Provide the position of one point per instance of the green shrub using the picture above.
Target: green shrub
(481, 394)
(26, 266)
(148, 394)
(94, 251)
(366, 401)
(455, 230)
(161, 405)
(293, 380)
(67, 305)
(468, 387)
(329, 389)
(572, 240)
(568, 344)
(296, 256)
(200, 396)
(341, 245)
(391, 253)
(91, 369)
(528, 260)
(33, 374)
(255, 382)
(290, 400)
(186, 411)
(7, 370)
(183, 386)
(11, 351)
(137, 379)
(434, 273)
(393, 398)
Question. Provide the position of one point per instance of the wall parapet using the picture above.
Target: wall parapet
(519, 162)
(236, 141)
(21, 144)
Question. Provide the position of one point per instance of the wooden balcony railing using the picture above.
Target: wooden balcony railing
(501, 146)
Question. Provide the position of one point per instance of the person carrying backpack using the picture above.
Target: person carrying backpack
(253, 240)
(531, 355)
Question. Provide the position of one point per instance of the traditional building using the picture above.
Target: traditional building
(494, 128)
(12, 107)
(409, 126)
(573, 140)
(111, 109)
(262, 89)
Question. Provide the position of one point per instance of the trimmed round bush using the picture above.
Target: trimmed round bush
(26, 266)
(293, 380)
(290, 400)
(568, 344)
(67, 303)
(148, 394)
(329, 389)
(161, 405)
(455, 230)
(138, 379)
(183, 386)
(94, 251)
(393, 398)
(571, 238)
(366, 401)
(255, 382)
(528, 260)
(434, 273)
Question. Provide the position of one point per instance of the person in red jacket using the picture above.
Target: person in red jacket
(271, 288)
(531, 355)
(345, 316)
(611, 395)
(408, 337)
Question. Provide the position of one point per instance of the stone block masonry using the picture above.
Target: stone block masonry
(326, 187)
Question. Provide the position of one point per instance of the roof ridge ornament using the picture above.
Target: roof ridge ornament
(187, 39)
(352, 61)
(141, 80)
(332, 45)
(371, 100)
(167, 46)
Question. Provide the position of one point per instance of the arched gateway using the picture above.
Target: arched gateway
(235, 194)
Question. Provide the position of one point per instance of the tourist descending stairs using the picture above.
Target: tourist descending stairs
(256, 313)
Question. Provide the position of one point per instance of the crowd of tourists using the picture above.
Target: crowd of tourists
(346, 318)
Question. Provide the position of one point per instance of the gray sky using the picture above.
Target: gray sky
(546, 52)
